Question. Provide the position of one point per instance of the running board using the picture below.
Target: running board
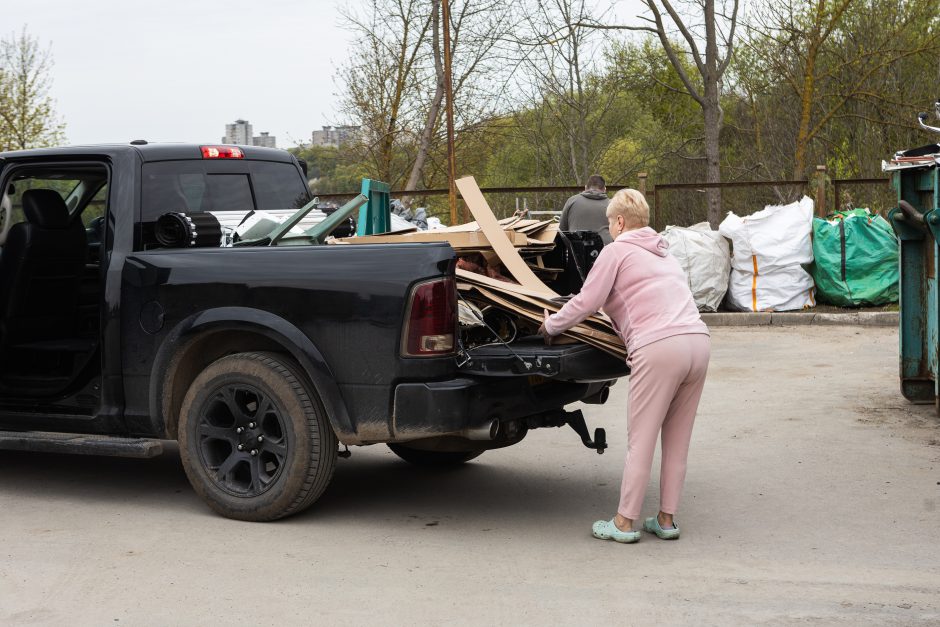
(79, 444)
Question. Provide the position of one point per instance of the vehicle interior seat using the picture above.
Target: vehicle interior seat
(40, 276)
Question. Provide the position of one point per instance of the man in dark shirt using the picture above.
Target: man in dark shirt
(587, 211)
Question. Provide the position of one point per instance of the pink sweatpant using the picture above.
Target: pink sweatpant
(665, 387)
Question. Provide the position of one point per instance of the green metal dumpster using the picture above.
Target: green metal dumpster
(916, 221)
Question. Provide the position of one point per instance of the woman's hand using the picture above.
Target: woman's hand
(542, 331)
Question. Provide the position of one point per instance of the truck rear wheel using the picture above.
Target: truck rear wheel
(254, 439)
(421, 457)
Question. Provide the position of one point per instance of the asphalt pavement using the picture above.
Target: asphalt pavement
(811, 497)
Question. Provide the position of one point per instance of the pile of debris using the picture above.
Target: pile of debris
(501, 276)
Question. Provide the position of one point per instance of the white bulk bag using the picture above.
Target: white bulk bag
(770, 249)
(706, 259)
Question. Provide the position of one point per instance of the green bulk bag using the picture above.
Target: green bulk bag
(856, 259)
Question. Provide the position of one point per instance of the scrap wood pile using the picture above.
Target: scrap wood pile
(532, 239)
(526, 306)
(500, 274)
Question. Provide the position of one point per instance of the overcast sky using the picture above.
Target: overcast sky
(179, 70)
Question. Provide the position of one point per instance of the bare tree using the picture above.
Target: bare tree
(477, 29)
(565, 98)
(682, 39)
(27, 111)
(834, 55)
(382, 80)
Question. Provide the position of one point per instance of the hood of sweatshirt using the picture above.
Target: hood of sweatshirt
(594, 195)
(645, 238)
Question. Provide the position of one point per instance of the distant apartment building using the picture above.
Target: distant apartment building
(334, 136)
(241, 132)
(264, 139)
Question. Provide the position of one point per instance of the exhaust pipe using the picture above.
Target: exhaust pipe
(598, 399)
(486, 431)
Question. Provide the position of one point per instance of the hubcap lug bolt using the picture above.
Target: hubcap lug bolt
(241, 447)
(252, 425)
(261, 438)
(254, 452)
(240, 430)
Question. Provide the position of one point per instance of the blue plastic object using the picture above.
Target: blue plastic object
(916, 221)
(375, 217)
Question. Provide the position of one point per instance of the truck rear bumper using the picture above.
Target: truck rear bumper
(423, 410)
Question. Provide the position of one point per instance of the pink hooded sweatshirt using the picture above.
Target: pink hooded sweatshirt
(641, 287)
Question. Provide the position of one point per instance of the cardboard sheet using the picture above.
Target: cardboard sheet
(494, 232)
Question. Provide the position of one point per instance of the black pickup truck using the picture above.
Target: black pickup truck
(260, 359)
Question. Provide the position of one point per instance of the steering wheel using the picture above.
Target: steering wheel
(6, 217)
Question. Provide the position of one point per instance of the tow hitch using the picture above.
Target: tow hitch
(575, 420)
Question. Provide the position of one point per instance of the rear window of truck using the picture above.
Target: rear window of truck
(230, 186)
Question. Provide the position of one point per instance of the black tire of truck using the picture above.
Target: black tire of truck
(254, 439)
(420, 457)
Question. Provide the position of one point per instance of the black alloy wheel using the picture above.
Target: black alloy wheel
(242, 439)
(254, 439)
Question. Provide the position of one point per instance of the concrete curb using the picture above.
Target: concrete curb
(793, 319)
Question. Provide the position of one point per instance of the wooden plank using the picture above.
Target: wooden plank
(589, 326)
(503, 246)
(472, 277)
(596, 321)
(603, 341)
(459, 240)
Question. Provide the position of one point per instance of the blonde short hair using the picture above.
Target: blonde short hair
(630, 204)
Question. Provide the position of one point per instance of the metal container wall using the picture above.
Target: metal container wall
(919, 317)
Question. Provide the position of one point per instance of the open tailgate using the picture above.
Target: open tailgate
(531, 357)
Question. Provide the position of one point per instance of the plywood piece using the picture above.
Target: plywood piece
(458, 240)
(511, 259)
(541, 297)
(603, 341)
(590, 325)
(472, 277)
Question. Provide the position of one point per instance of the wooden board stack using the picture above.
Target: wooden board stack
(531, 296)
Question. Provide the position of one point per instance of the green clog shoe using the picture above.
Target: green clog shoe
(652, 525)
(607, 530)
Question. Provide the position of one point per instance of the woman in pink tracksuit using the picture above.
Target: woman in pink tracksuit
(646, 294)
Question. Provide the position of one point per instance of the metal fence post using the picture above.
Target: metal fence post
(821, 191)
(641, 185)
(655, 211)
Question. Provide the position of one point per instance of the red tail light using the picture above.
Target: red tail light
(431, 323)
(222, 152)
